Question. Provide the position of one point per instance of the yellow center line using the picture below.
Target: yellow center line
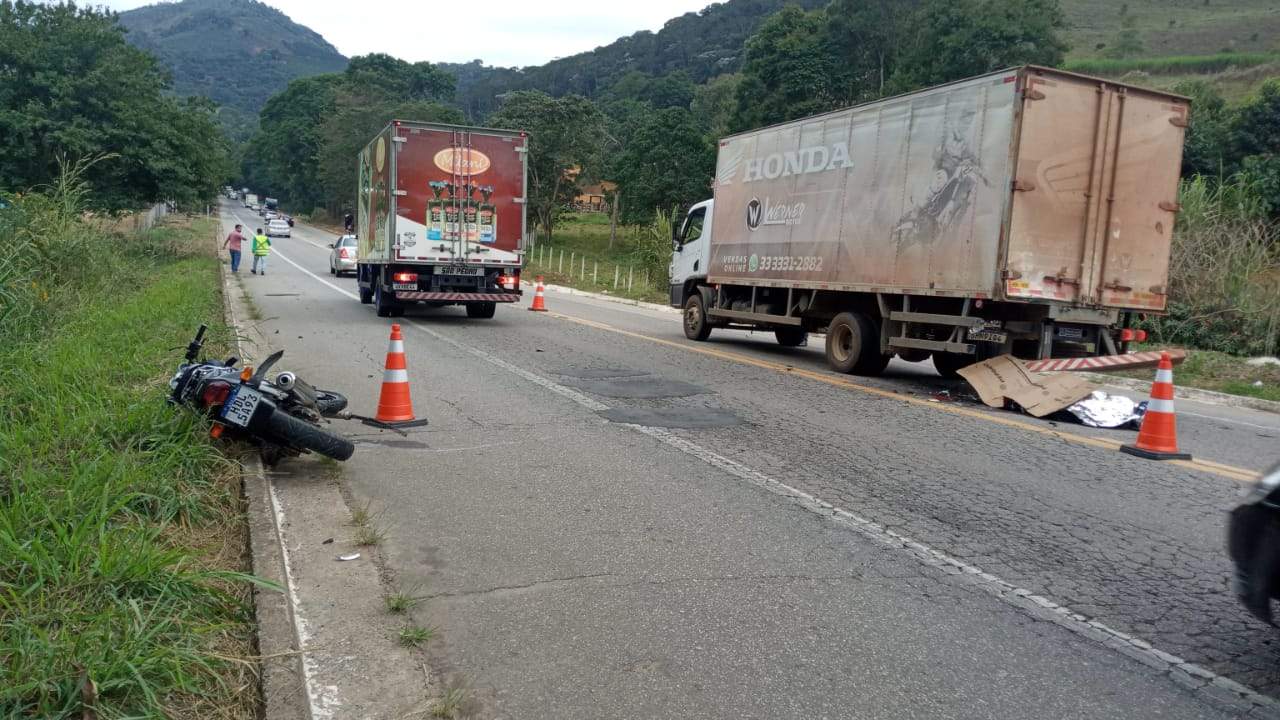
(1230, 472)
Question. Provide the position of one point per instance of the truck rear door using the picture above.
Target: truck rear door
(1094, 193)
(459, 195)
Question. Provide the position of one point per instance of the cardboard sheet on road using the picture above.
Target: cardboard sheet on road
(1005, 378)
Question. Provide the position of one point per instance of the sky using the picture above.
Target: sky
(499, 32)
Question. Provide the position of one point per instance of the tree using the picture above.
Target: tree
(789, 70)
(668, 162)
(311, 131)
(1207, 148)
(714, 103)
(948, 40)
(565, 137)
(70, 86)
(866, 36)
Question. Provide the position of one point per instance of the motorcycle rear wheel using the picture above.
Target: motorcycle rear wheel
(289, 430)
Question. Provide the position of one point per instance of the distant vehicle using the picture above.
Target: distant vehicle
(441, 218)
(250, 200)
(278, 228)
(271, 203)
(1006, 213)
(1253, 542)
(342, 258)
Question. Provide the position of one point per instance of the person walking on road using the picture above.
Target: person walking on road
(261, 249)
(232, 246)
(348, 222)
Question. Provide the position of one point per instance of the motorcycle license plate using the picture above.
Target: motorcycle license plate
(238, 409)
(461, 270)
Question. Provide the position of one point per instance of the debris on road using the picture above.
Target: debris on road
(1101, 410)
(352, 556)
(1005, 379)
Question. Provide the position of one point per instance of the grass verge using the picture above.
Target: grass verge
(1220, 372)
(579, 256)
(122, 537)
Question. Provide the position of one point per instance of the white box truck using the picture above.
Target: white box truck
(1028, 211)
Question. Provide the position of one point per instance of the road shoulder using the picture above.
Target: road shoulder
(327, 643)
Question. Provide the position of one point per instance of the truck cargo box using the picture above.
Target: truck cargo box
(432, 194)
(1030, 185)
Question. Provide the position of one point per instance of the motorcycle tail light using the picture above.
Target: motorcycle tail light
(404, 277)
(215, 393)
(215, 432)
(1126, 335)
(344, 253)
(1140, 336)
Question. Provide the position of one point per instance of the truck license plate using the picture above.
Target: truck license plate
(404, 286)
(461, 270)
(989, 331)
(238, 409)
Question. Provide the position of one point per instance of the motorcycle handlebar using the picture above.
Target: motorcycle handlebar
(193, 349)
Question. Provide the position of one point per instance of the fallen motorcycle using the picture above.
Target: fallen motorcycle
(1253, 542)
(282, 416)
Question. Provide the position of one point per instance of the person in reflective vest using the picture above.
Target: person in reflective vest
(261, 249)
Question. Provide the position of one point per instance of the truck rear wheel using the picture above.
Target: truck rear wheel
(696, 324)
(791, 337)
(481, 310)
(383, 305)
(366, 293)
(949, 365)
(853, 345)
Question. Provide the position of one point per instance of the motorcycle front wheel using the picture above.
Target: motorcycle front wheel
(289, 430)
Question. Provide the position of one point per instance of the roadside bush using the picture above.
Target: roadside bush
(651, 247)
(1224, 271)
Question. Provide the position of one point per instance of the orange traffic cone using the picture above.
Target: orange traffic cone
(1158, 435)
(539, 302)
(394, 404)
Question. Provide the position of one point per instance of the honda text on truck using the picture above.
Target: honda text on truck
(441, 218)
(1027, 212)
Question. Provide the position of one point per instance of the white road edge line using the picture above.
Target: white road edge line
(1187, 674)
(320, 702)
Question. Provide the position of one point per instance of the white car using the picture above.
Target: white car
(343, 256)
(278, 228)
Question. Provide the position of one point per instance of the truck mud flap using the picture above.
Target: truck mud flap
(456, 296)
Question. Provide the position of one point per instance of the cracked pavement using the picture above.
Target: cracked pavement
(575, 567)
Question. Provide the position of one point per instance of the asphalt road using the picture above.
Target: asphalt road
(612, 521)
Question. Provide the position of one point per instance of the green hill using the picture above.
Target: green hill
(1174, 27)
(235, 52)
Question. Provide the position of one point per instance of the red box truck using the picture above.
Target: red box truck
(441, 217)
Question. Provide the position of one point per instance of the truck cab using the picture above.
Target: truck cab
(691, 251)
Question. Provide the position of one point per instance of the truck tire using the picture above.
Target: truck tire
(791, 337)
(482, 310)
(913, 355)
(366, 293)
(286, 429)
(696, 324)
(853, 345)
(384, 306)
(949, 365)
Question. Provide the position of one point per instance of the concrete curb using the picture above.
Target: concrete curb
(608, 298)
(1189, 393)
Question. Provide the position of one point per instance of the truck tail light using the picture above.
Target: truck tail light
(1140, 335)
(404, 277)
(1126, 335)
(215, 393)
(510, 282)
